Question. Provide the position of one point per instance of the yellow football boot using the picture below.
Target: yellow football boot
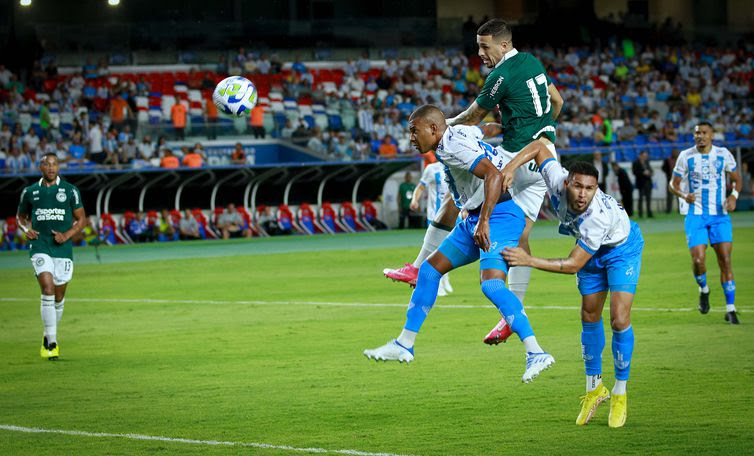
(589, 403)
(618, 410)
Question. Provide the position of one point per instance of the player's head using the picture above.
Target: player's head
(581, 185)
(494, 39)
(426, 127)
(703, 133)
(49, 166)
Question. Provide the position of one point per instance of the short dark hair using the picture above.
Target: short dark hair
(707, 123)
(498, 28)
(49, 154)
(584, 168)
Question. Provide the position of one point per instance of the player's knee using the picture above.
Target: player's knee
(491, 286)
(590, 316)
(620, 322)
(697, 260)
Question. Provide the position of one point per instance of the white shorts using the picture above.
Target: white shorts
(529, 188)
(60, 268)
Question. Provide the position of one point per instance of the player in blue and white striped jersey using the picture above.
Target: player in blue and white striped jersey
(495, 221)
(703, 170)
(606, 257)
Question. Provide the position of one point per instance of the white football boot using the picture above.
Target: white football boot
(536, 363)
(391, 351)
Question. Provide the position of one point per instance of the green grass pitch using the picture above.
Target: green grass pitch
(224, 341)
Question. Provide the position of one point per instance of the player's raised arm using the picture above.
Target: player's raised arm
(492, 189)
(576, 260)
(471, 116)
(556, 99)
(535, 150)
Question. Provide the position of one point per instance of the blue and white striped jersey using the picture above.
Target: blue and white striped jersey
(460, 150)
(705, 177)
(433, 179)
(604, 223)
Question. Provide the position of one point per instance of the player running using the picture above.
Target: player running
(529, 104)
(703, 169)
(57, 214)
(607, 256)
(433, 181)
(495, 221)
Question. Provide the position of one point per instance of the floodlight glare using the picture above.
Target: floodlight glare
(24, 2)
(113, 2)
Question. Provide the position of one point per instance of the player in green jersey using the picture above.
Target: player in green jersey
(529, 104)
(50, 213)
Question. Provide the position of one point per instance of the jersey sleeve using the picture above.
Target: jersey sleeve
(554, 174)
(461, 151)
(76, 198)
(492, 92)
(730, 162)
(681, 166)
(592, 233)
(24, 206)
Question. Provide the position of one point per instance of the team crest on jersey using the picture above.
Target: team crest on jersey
(61, 196)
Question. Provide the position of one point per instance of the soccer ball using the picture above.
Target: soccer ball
(235, 95)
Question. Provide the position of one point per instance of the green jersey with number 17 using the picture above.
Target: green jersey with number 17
(518, 86)
(50, 208)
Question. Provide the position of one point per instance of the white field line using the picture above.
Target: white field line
(106, 435)
(353, 304)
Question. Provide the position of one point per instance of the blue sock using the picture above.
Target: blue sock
(701, 279)
(508, 305)
(423, 297)
(592, 344)
(729, 289)
(623, 348)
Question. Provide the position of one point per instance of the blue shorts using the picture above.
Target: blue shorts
(715, 228)
(613, 268)
(507, 223)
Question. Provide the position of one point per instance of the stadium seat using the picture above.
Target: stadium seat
(348, 218)
(327, 218)
(285, 219)
(305, 219)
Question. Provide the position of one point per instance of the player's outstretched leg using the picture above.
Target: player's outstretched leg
(723, 252)
(537, 360)
(592, 344)
(422, 300)
(518, 282)
(698, 258)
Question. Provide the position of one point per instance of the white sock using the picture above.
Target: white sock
(518, 281)
(432, 240)
(592, 382)
(407, 338)
(705, 289)
(49, 319)
(59, 310)
(730, 307)
(531, 345)
(620, 387)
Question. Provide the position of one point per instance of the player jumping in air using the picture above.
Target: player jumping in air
(703, 168)
(607, 257)
(56, 213)
(495, 221)
(529, 104)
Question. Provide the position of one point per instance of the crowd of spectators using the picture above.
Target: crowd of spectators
(621, 93)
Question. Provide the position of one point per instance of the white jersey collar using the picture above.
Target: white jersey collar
(512, 53)
(42, 180)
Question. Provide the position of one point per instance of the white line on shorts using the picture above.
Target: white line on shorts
(34, 430)
(353, 304)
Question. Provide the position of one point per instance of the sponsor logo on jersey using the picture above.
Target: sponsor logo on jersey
(496, 86)
(35, 192)
(44, 215)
